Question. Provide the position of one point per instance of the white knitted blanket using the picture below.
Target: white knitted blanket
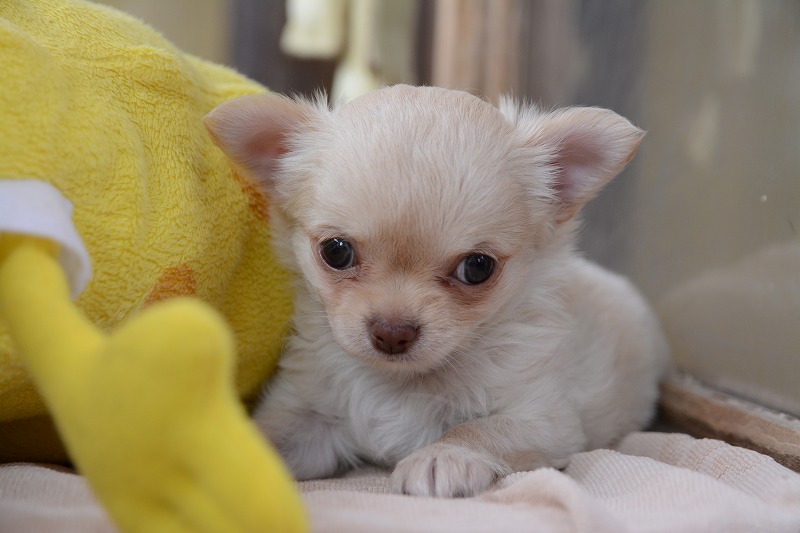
(651, 482)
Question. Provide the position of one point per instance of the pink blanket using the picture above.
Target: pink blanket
(651, 482)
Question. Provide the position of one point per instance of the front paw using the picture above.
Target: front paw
(447, 471)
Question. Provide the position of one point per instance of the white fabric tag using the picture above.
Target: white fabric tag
(33, 207)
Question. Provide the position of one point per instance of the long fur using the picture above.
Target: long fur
(551, 356)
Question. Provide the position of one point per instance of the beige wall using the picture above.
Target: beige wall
(717, 191)
(719, 173)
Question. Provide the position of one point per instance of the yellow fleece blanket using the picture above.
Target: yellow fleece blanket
(106, 110)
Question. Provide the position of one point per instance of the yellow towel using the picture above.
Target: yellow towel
(106, 110)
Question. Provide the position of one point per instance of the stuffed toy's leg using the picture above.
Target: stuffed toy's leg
(149, 413)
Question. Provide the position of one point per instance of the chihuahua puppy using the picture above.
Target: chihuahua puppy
(444, 324)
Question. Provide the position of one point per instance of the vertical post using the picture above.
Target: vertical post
(476, 45)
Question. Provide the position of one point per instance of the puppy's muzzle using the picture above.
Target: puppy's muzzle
(392, 337)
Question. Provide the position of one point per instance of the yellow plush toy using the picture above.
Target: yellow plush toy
(148, 413)
(100, 112)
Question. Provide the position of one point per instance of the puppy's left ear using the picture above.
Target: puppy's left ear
(587, 146)
(255, 132)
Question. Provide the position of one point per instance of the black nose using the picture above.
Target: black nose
(392, 337)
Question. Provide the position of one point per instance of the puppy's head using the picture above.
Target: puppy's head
(416, 215)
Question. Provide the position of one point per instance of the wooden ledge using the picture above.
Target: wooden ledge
(704, 412)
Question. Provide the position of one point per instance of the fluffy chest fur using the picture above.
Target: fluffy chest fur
(385, 417)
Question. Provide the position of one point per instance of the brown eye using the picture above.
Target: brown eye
(337, 253)
(474, 269)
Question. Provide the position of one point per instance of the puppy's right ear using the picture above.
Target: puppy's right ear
(254, 132)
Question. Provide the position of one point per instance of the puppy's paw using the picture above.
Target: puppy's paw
(447, 471)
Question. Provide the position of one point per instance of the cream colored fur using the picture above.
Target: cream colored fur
(550, 356)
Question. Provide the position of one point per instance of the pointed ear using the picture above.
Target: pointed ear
(254, 132)
(588, 146)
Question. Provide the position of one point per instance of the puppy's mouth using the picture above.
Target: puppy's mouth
(403, 364)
